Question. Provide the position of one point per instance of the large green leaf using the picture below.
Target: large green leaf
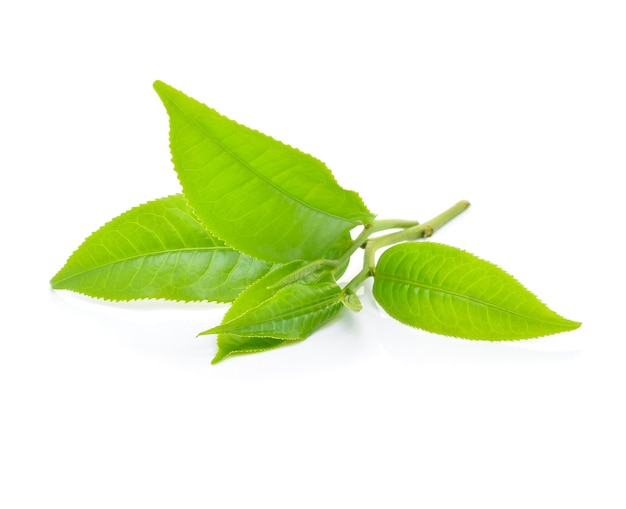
(158, 250)
(257, 293)
(294, 312)
(259, 195)
(448, 291)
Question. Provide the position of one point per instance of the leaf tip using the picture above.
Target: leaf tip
(56, 282)
(573, 325)
(53, 282)
(159, 86)
(564, 325)
(214, 330)
(163, 90)
(219, 356)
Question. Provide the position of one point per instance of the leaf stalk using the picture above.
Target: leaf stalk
(412, 231)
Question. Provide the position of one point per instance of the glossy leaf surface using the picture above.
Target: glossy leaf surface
(292, 313)
(257, 293)
(259, 195)
(448, 291)
(158, 250)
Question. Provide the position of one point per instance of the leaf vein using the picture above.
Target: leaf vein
(461, 296)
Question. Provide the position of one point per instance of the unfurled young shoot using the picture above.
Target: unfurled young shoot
(268, 228)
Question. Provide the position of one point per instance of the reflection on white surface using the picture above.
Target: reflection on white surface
(168, 331)
(416, 347)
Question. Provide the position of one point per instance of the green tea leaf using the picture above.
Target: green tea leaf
(231, 344)
(351, 301)
(251, 297)
(293, 312)
(257, 293)
(259, 195)
(448, 291)
(158, 250)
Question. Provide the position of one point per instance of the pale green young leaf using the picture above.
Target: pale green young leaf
(259, 195)
(292, 313)
(448, 291)
(158, 250)
(257, 293)
(231, 344)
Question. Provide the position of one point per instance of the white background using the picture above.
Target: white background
(518, 107)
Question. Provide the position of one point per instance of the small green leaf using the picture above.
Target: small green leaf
(231, 344)
(257, 293)
(292, 313)
(158, 250)
(259, 195)
(448, 291)
(351, 301)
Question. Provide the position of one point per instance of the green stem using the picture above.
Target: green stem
(413, 232)
(375, 227)
(304, 271)
(358, 280)
(358, 242)
(390, 224)
(423, 230)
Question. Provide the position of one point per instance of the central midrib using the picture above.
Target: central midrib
(255, 172)
(284, 316)
(461, 296)
(141, 255)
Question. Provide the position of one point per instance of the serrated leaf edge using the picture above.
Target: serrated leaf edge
(215, 330)
(106, 224)
(284, 342)
(161, 87)
(575, 324)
